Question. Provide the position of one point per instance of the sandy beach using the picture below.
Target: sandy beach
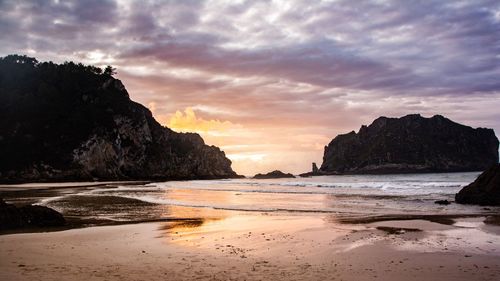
(262, 246)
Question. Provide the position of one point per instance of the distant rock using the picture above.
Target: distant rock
(72, 122)
(314, 168)
(273, 175)
(12, 217)
(315, 172)
(442, 202)
(485, 190)
(411, 144)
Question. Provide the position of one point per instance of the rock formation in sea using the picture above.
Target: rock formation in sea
(411, 144)
(315, 168)
(75, 122)
(485, 190)
(274, 175)
(12, 217)
(315, 172)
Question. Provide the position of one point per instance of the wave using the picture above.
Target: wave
(137, 188)
(369, 183)
(400, 188)
(378, 192)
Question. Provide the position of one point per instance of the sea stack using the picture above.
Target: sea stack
(314, 168)
(485, 190)
(72, 122)
(411, 144)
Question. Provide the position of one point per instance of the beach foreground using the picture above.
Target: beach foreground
(262, 246)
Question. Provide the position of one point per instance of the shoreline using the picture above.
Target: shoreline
(255, 247)
(185, 200)
(88, 182)
(64, 184)
(56, 180)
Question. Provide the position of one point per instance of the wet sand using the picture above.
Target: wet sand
(261, 246)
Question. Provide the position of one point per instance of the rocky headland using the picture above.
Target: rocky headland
(410, 144)
(71, 122)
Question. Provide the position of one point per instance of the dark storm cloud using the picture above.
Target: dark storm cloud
(424, 47)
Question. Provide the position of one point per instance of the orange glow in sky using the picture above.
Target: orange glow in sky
(187, 121)
(250, 151)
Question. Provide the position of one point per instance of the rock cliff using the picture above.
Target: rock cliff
(411, 144)
(74, 122)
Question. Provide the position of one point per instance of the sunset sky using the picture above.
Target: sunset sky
(272, 82)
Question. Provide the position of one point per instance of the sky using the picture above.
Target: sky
(272, 82)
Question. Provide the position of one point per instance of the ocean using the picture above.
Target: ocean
(343, 198)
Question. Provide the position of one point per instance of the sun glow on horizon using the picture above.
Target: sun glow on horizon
(251, 150)
(219, 133)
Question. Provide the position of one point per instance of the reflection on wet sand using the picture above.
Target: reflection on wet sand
(182, 224)
(215, 229)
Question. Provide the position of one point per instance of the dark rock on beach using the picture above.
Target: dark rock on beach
(442, 202)
(411, 144)
(12, 217)
(485, 190)
(274, 175)
(75, 122)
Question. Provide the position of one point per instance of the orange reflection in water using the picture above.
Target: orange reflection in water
(217, 199)
(213, 228)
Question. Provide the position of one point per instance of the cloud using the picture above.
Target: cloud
(277, 79)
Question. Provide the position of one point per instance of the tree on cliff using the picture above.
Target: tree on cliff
(19, 59)
(109, 70)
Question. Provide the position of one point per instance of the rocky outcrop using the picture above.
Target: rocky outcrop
(485, 190)
(71, 122)
(442, 202)
(314, 168)
(411, 144)
(12, 217)
(274, 175)
(315, 172)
